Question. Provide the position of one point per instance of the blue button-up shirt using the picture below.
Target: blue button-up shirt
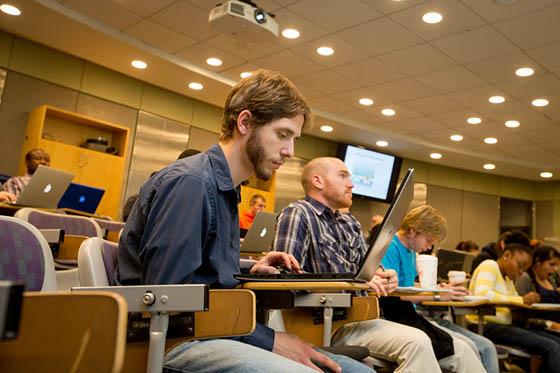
(184, 229)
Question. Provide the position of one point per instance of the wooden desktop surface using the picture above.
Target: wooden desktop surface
(311, 286)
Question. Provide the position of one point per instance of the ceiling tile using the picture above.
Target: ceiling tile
(379, 36)
(535, 154)
(369, 71)
(308, 93)
(418, 125)
(451, 80)
(456, 18)
(481, 43)
(456, 120)
(545, 136)
(334, 15)
(477, 97)
(492, 11)
(105, 12)
(433, 105)
(344, 52)
(548, 56)
(159, 36)
(242, 49)
(289, 64)
(143, 7)
(403, 90)
(308, 30)
(502, 68)
(198, 53)
(329, 104)
(402, 112)
(328, 82)
(543, 27)
(391, 6)
(175, 17)
(544, 85)
(512, 109)
(418, 59)
(234, 72)
(352, 97)
(267, 5)
(504, 135)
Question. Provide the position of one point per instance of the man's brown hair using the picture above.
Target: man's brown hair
(268, 96)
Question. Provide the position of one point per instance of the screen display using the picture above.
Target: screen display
(374, 174)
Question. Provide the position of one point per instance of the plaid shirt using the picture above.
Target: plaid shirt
(16, 184)
(322, 241)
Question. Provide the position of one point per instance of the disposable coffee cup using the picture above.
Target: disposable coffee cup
(457, 277)
(427, 270)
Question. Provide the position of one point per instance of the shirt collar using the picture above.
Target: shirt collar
(319, 208)
(220, 166)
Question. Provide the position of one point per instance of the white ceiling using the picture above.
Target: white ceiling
(434, 76)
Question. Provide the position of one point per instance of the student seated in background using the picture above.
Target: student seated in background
(324, 239)
(33, 159)
(458, 349)
(374, 228)
(257, 204)
(494, 249)
(184, 227)
(467, 246)
(7, 197)
(495, 280)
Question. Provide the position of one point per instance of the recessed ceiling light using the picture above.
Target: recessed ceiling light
(388, 112)
(290, 33)
(489, 166)
(213, 61)
(540, 102)
(196, 86)
(138, 64)
(491, 140)
(435, 156)
(474, 120)
(10, 9)
(365, 101)
(245, 74)
(512, 123)
(326, 128)
(456, 137)
(325, 51)
(524, 71)
(496, 99)
(432, 17)
(546, 174)
(382, 143)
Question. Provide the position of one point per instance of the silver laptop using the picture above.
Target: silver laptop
(45, 188)
(366, 270)
(260, 236)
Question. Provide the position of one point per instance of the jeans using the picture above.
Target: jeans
(221, 355)
(485, 347)
(536, 342)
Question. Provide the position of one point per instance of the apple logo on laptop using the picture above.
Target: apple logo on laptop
(47, 188)
(263, 232)
(82, 199)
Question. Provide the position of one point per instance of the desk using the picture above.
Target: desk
(461, 308)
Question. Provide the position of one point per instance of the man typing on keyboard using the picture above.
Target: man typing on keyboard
(324, 239)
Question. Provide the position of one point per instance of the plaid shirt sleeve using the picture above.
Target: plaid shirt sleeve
(292, 233)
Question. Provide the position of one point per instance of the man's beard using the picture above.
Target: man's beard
(257, 155)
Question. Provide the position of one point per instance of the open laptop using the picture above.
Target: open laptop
(366, 270)
(260, 236)
(453, 260)
(45, 188)
(81, 197)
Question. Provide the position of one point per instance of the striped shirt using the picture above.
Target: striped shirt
(489, 282)
(16, 184)
(321, 241)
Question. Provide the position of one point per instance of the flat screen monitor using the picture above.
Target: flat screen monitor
(374, 174)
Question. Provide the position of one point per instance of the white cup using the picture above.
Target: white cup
(457, 277)
(427, 270)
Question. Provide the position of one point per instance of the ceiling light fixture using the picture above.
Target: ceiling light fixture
(524, 71)
(326, 128)
(496, 99)
(474, 120)
(456, 137)
(435, 156)
(546, 174)
(540, 102)
(491, 140)
(290, 33)
(489, 166)
(432, 17)
(365, 101)
(388, 112)
(512, 123)
(138, 64)
(382, 143)
(325, 51)
(245, 74)
(10, 10)
(196, 86)
(213, 61)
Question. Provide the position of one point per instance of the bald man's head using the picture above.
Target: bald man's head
(327, 180)
(317, 166)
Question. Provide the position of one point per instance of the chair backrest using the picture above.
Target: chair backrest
(68, 332)
(97, 260)
(25, 255)
(72, 224)
(113, 228)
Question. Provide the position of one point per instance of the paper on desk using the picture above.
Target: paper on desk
(414, 290)
(546, 305)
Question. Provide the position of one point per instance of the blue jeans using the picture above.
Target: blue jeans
(485, 347)
(221, 355)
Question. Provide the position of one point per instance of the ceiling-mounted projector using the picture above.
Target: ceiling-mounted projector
(244, 20)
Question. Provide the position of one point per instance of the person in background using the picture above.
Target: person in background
(376, 221)
(495, 280)
(467, 246)
(494, 249)
(7, 197)
(187, 153)
(33, 159)
(246, 218)
(534, 243)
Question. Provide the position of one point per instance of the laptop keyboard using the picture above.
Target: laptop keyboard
(325, 276)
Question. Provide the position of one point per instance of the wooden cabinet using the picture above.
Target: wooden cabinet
(60, 134)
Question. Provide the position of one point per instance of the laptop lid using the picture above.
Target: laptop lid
(453, 260)
(81, 197)
(45, 188)
(260, 236)
(389, 227)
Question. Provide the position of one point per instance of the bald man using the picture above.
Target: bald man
(33, 159)
(323, 239)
